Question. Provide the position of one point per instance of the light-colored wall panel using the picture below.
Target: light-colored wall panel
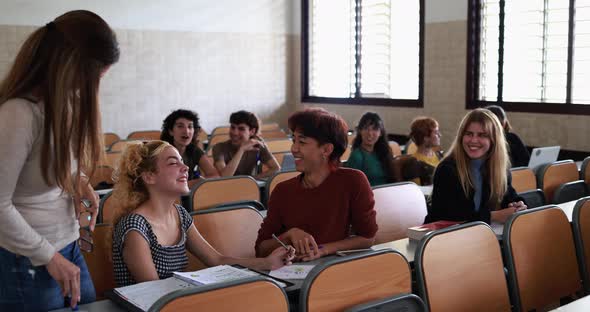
(211, 73)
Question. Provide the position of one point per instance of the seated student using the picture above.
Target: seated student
(245, 151)
(472, 183)
(519, 155)
(151, 233)
(180, 129)
(425, 134)
(317, 211)
(370, 151)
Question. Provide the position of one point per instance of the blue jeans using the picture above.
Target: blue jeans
(24, 287)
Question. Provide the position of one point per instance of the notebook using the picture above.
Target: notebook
(141, 296)
(543, 155)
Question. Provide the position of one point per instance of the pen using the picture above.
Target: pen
(278, 240)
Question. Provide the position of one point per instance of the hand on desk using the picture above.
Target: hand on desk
(280, 257)
(502, 215)
(303, 242)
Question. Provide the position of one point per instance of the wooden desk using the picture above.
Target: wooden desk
(407, 247)
(97, 306)
(568, 208)
(580, 305)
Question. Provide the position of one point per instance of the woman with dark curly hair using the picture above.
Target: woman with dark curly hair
(370, 151)
(180, 129)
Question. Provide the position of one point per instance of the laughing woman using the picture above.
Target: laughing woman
(472, 183)
(180, 129)
(370, 151)
(152, 233)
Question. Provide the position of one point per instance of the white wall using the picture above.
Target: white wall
(235, 16)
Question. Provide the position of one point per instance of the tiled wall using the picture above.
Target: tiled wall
(444, 96)
(211, 73)
(217, 73)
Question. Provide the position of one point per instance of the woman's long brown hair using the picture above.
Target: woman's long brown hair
(61, 64)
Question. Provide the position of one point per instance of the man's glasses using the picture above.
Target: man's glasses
(85, 241)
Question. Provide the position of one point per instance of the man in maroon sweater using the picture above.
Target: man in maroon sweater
(326, 208)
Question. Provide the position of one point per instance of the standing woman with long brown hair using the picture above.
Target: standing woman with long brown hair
(472, 183)
(50, 130)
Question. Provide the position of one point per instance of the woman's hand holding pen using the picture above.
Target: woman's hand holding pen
(280, 257)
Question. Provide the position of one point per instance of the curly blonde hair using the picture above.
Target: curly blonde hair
(130, 190)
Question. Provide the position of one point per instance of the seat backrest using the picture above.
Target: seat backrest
(278, 146)
(395, 148)
(120, 146)
(533, 198)
(469, 252)
(110, 159)
(398, 206)
(541, 258)
(230, 230)
(99, 261)
(405, 168)
(405, 302)
(218, 138)
(523, 179)
(551, 176)
(202, 135)
(341, 283)
(144, 135)
(276, 134)
(278, 178)
(220, 130)
(102, 174)
(570, 191)
(585, 170)
(249, 295)
(581, 226)
(107, 208)
(269, 126)
(213, 192)
(109, 138)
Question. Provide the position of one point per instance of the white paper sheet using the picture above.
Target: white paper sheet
(144, 295)
(217, 274)
(294, 271)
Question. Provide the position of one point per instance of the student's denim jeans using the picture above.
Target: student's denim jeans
(24, 287)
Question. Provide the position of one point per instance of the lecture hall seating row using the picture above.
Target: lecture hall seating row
(457, 269)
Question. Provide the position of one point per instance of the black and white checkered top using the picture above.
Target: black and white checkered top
(167, 259)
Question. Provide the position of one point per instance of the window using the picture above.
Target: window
(531, 56)
(363, 52)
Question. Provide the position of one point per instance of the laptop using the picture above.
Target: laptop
(288, 163)
(543, 155)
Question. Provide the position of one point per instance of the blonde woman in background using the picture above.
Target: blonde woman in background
(151, 232)
(472, 183)
(50, 129)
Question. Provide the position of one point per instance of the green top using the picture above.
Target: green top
(369, 164)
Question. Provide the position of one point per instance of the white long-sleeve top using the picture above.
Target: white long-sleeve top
(36, 219)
